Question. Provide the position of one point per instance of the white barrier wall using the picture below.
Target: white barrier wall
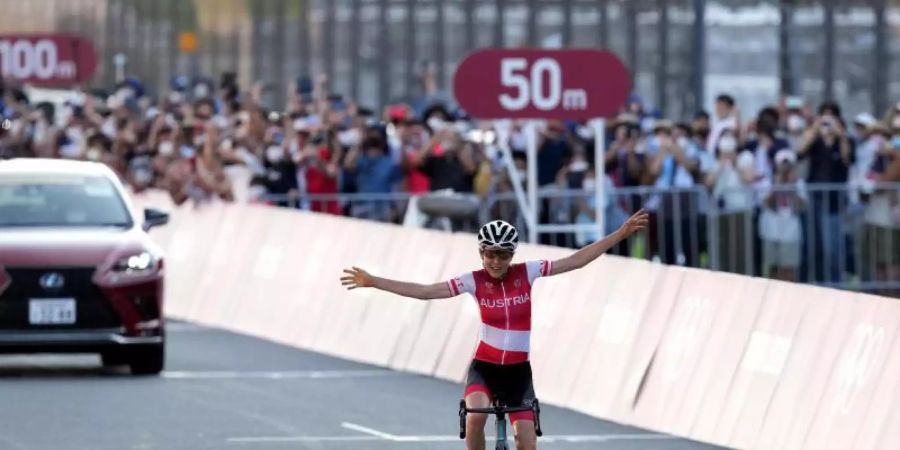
(722, 358)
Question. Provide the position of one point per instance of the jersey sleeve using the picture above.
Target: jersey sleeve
(538, 268)
(461, 284)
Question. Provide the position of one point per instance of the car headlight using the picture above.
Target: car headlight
(136, 263)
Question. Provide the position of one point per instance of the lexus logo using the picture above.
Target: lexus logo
(52, 281)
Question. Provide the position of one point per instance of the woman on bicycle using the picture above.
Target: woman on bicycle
(500, 368)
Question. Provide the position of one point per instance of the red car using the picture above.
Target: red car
(78, 271)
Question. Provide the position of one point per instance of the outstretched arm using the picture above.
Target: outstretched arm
(358, 278)
(593, 251)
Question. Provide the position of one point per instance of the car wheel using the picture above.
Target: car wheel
(148, 361)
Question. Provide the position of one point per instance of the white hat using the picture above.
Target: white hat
(865, 119)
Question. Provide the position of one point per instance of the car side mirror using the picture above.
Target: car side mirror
(154, 218)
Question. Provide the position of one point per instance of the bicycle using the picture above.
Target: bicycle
(499, 411)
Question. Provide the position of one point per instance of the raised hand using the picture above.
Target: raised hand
(356, 278)
(636, 222)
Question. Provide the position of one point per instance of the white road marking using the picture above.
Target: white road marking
(261, 440)
(279, 375)
(375, 435)
(366, 430)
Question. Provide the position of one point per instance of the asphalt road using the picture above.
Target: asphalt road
(227, 391)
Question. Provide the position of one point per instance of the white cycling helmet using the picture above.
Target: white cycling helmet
(498, 235)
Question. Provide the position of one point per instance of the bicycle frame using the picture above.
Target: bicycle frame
(499, 412)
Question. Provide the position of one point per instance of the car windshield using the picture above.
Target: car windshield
(61, 201)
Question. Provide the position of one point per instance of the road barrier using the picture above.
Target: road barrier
(722, 358)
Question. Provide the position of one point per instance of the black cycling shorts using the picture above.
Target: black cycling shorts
(512, 384)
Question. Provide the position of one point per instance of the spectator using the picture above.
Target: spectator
(624, 163)
(413, 137)
(375, 172)
(868, 142)
(881, 231)
(830, 154)
(447, 161)
(795, 121)
(731, 180)
(674, 167)
(281, 171)
(613, 213)
(727, 117)
(780, 227)
(700, 129)
(554, 151)
(203, 142)
(320, 160)
(764, 145)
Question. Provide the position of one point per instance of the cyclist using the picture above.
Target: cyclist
(500, 368)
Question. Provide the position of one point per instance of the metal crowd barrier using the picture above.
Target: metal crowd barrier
(832, 235)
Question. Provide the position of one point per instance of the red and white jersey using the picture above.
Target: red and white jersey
(505, 307)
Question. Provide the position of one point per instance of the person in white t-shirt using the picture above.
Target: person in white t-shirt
(727, 117)
(779, 222)
(731, 181)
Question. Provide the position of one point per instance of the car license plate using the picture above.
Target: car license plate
(55, 311)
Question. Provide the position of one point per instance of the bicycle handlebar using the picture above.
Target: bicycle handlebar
(499, 410)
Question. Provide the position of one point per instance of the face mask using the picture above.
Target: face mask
(578, 166)
(745, 161)
(589, 184)
(143, 177)
(682, 142)
(74, 134)
(201, 91)
(436, 124)
(93, 154)
(166, 148)
(274, 154)
(349, 138)
(523, 174)
(187, 152)
(517, 141)
(896, 122)
(585, 133)
(895, 142)
(125, 93)
(641, 148)
(199, 140)
(796, 123)
(448, 144)
(220, 122)
(175, 97)
(728, 144)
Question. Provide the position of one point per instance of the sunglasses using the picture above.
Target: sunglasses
(503, 255)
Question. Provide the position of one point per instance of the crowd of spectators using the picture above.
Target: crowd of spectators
(798, 181)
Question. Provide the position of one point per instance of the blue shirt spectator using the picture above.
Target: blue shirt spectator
(377, 172)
